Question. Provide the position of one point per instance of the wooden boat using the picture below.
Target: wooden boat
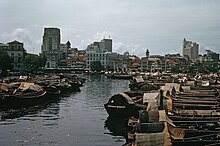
(196, 98)
(120, 76)
(147, 129)
(198, 138)
(27, 94)
(121, 105)
(195, 106)
(52, 90)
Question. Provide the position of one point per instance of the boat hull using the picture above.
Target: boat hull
(121, 111)
(125, 77)
(23, 101)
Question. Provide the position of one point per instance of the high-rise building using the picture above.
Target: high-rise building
(106, 45)
(190, 49)
(51, 46)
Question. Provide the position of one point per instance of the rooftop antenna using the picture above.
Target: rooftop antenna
(109, 36)
(104, 37)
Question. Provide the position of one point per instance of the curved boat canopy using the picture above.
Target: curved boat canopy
(121, 99)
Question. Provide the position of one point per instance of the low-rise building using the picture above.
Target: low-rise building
(210, 56)
(122, 63)
(16, 52)
(75, 62)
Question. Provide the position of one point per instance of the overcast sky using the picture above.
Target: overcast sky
(134, 25)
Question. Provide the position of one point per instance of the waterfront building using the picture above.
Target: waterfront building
(90, 57)
(100, 51)
(75, 52)
(106, 45)
(154, 64)
(175, 60)
(76, 62)
(190, 49)
(135, 63)
(64, 50)
(100, 47)
(110, 60)
(145, 62)
(16, 52)
(72, 57)
(210, 56)
(51, 47)
(122, 63)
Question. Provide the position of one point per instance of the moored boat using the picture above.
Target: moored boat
(120, 105)
(120, 76)
(27, 94)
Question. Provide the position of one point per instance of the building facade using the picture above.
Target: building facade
(210, 56)
(51, 47)
(145, 62)
(100, 51)
(190, 49)
(16, 52)
(106, 45)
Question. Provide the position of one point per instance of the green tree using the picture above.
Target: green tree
(213, 67)
(5, 62)
(175, 69)
(33, 62)
(96, 66)
(42, 60)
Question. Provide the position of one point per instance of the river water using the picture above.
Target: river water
(74, 119)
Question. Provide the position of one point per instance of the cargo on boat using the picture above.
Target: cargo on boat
(22, 95)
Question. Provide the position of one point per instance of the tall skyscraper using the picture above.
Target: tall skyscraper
(51, 46)
(190, 49)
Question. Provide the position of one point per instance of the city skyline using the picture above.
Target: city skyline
(133, 26)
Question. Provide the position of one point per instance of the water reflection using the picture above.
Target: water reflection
(51, 106)
(117, 126)
(74, 119)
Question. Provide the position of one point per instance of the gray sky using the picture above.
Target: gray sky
(134, 25)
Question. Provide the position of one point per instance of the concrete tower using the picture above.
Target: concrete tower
(51, 46)
(190, 49)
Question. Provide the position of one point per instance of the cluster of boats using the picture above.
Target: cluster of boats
(119, 75)
(24, 91)
(170, 110)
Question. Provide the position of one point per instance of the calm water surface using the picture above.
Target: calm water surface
(74, 119)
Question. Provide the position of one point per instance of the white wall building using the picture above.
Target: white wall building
(100, 51)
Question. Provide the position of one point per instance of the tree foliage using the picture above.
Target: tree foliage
(5, 62)
(33, 63)
(43, 60)
(96, 66)
(175, 69)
